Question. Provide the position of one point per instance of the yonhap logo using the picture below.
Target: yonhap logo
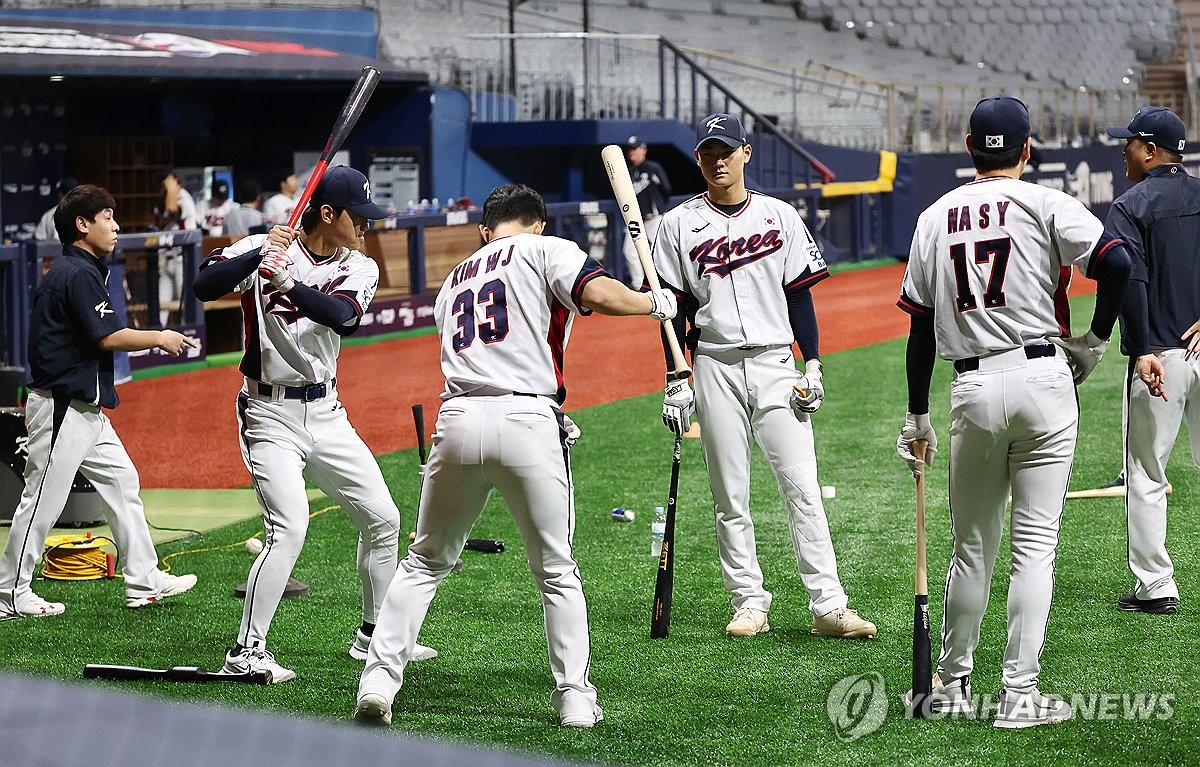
(857, 706)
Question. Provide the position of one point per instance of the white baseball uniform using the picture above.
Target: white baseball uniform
(736, 269)
(292, 426)
(504, 315)
(991, 261)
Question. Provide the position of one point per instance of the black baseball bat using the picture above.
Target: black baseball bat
(173, 674)
(418, 412)
(660, 618)
(922, 668)
(351, 111)
(484, 545)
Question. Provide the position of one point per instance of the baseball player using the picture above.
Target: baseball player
(301, 292)
(211, 213)
(742, 264)
(653, 193)
(504, 315)
(1159, 219)
(986, 287)
(175, 209)
(72, 336)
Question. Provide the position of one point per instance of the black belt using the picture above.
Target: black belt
(305, 393)
(1031, 353)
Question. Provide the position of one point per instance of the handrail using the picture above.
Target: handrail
(827, 175)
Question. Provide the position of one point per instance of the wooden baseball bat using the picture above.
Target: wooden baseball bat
(351, 111)
(660, 618)
(622, 186)
(173, 674)
(922, 669)
(418, 414)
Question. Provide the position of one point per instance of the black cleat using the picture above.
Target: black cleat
(1160, 606)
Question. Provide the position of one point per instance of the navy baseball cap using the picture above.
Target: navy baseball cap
(344, 187)
(220, 188)
(724, 127)
(998, 124)
(1155, 124)
(633, 142)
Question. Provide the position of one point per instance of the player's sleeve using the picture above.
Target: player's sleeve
(1122, 224)
(568, 270)
(230, 269)
(92, 306)
(359, 286)
(803, 264)
(1074, 230)
(187, 210)
(916, 297)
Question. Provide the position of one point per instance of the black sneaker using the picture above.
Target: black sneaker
(1118, 482)
(1160, 606)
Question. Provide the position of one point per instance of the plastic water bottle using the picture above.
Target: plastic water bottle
(411, 208)
(658, 529)
(435, 206)
(424, 207)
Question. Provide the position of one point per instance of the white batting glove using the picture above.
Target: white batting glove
(663, 304)
(274, 267)
(916, 427)
(1083, 353)
(809, 391)
(573, 431)
(678, 405)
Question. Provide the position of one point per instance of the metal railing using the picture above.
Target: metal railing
(576, 75)
(538, 80)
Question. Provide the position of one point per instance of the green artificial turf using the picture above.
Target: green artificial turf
(697, 697)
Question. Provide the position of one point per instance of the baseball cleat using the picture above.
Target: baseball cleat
(173, 585)
(358, 648)
(583, 721)
(1160, 606)
(373, 711)
(35, 607)
(842, 623)
(748, 622)
(256, 659)
(950, 697)
(1016, 710)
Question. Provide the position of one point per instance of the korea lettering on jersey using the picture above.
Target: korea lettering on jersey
(991, 260)
(510, 306)
(738, 267)
(282, 345)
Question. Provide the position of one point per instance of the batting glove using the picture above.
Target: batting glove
(809, 390)
(573, 431)
(678, 406)
(1083, 353)
(916, 427)
(663, 305)
(274, 267)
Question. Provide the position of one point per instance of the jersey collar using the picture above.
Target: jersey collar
(71, 251)
(715, 208)
(314, 258)
(1167, 170)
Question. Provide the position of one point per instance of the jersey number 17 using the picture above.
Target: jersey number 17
(994, 251)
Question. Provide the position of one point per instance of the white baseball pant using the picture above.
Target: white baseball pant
(1151, 429)
(515, 444)
(283, 441)
(87, 443)
(1013, 425)
(743, 394)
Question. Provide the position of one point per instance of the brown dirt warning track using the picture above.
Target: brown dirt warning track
(181, 432)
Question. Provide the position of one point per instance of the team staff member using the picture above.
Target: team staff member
(1159, 219)
(299, 299)
(742, 264)
(986, 288)
(653, 193)
(72, 336)
(504, 316)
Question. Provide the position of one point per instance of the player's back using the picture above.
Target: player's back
(504, 315)
(993, 259)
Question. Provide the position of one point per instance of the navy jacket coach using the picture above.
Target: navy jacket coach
(72, 311)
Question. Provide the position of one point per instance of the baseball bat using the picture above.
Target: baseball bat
(484, 545)
(660, 616)
(622, 186)
(173, 674)
(922, 671)
(1108, 492)
(418, 412)
(351, 111)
